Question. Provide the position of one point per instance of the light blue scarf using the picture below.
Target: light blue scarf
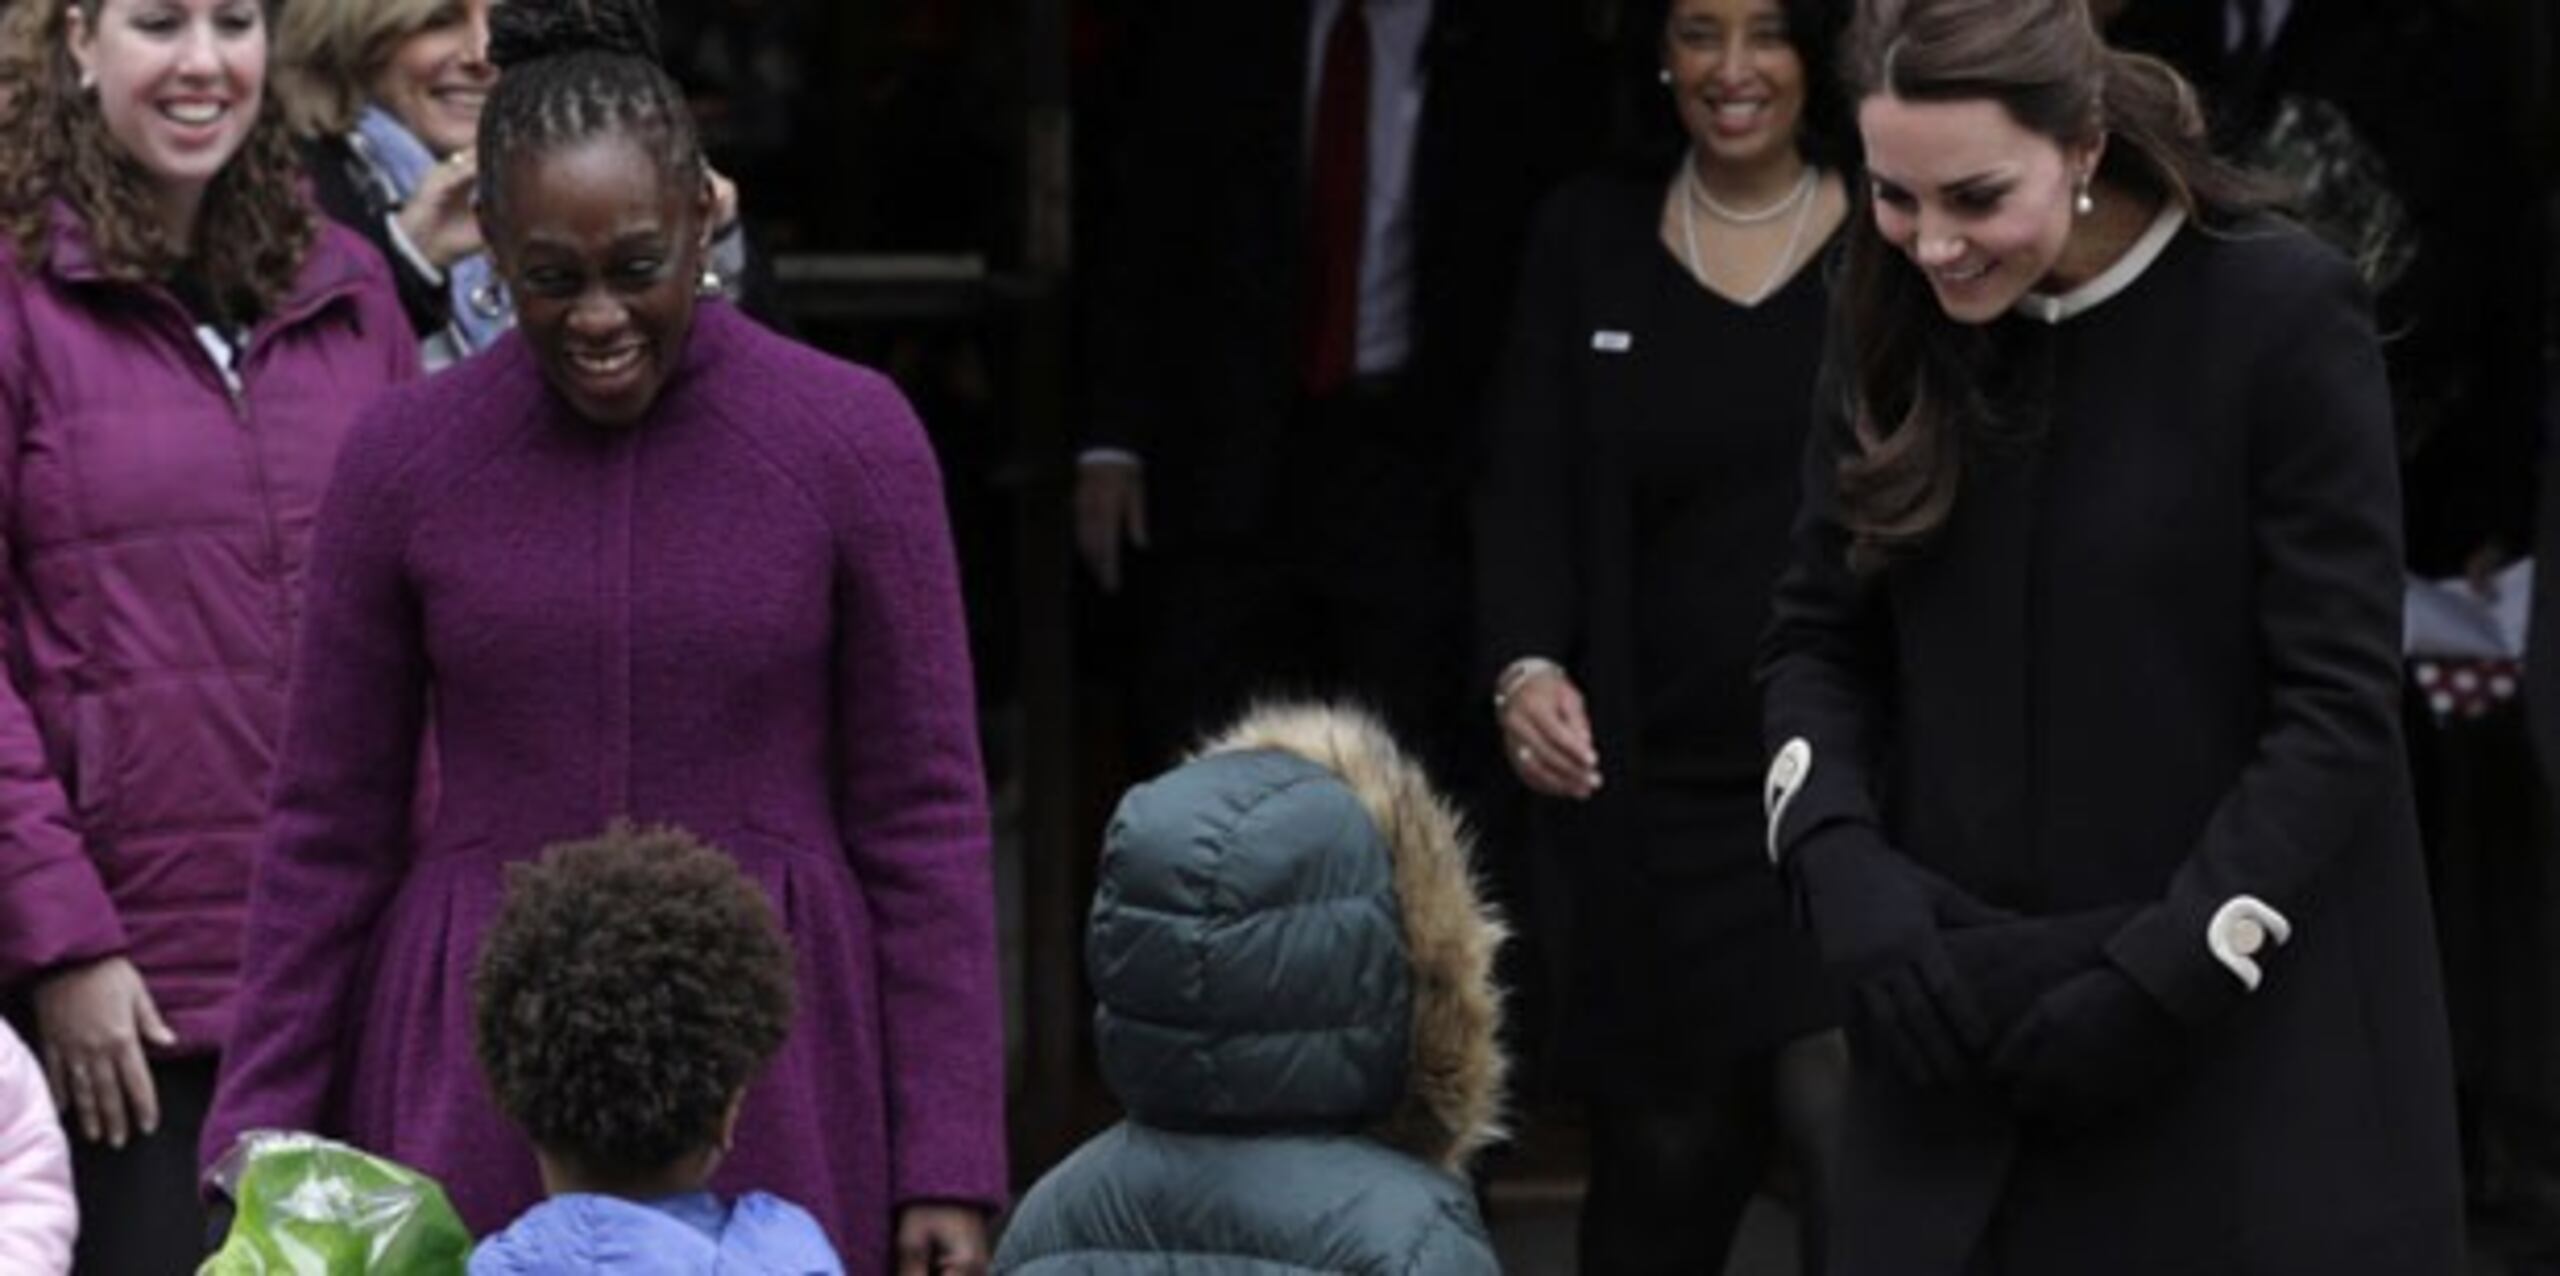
(481, 312)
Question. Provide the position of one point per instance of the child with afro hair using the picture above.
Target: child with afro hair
(630, 988)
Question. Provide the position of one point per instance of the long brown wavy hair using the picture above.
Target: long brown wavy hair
(254, 230)
(1922, 382)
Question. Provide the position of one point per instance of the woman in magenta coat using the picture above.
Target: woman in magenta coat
(643, 560)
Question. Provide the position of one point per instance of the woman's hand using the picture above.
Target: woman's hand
(1546, 735)
(1110, 510)
(438, 219)
(936, 1238)
(93, 1020)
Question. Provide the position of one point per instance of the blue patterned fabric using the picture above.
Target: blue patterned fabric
(480, 311)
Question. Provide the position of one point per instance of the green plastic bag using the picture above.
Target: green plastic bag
(309, 1206)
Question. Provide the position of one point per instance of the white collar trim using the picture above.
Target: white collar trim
(2056, 307)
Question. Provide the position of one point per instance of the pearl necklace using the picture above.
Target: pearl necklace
(1795, 234)
(1734, 216)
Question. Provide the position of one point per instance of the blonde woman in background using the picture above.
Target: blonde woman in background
(386, 97)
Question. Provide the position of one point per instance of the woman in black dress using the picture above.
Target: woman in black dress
(2083, 688)
(1646, 438)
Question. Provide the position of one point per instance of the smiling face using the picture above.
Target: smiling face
(602, 251)
(178, 82)
(1737, 78)
(438, 76)
(1981, 204)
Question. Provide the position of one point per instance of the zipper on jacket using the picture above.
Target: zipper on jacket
(235, 392)
(281, 590)
(274, 534)
(342, 287)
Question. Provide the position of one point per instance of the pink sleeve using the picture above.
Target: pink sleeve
(38, 1216)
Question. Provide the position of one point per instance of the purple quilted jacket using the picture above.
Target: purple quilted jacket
(155, 517)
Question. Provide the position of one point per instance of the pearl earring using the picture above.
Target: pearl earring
(88, 80)
(2083, 202)
(1664, 76)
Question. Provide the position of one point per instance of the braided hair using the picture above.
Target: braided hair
(571, 70)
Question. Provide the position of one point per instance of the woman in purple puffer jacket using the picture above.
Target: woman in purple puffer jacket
(182, 344)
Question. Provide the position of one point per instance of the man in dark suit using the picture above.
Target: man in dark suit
(1306, 266)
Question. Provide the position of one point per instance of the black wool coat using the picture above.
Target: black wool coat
(2152, 659)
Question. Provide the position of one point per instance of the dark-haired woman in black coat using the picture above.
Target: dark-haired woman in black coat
(1634, 512)
(2083, 689)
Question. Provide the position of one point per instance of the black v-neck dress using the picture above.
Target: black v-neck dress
(1648, 435)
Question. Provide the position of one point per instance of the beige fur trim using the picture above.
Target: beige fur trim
(1453, 1093)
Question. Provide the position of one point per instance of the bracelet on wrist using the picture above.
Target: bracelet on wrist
(1520, 673)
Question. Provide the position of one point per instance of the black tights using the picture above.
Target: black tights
(139, 1212)
(1673, 1166)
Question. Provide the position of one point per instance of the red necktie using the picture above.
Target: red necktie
(1338, 176)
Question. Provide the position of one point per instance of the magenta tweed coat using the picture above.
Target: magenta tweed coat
(154, 525)
(740, 616)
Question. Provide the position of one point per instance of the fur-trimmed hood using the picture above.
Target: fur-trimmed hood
(1288, 934)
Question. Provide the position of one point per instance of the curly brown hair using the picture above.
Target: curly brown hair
(631, 986)
(255, 228)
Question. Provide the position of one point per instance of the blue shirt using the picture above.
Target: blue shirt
(689, 1235)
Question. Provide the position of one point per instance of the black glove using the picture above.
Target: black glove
(2008, 964)
(1875, 918)
(2090, 1047)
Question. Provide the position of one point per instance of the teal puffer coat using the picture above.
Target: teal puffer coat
(1297, 1012)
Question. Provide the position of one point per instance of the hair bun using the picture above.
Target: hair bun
(523, 31)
